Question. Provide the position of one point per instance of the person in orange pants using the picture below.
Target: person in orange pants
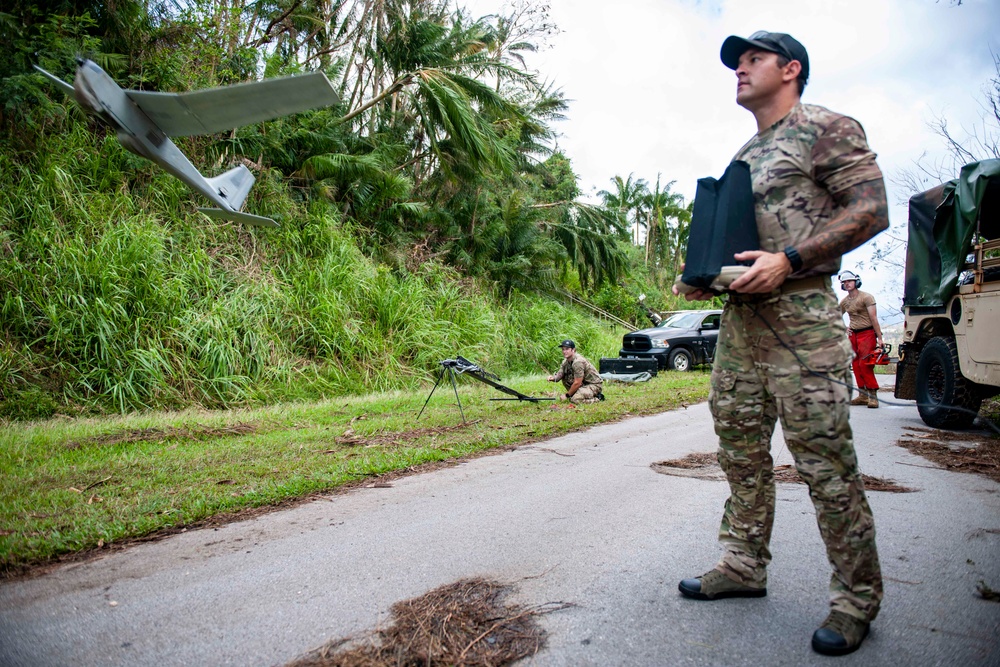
(865, 335)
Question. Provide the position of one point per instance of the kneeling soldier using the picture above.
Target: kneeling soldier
(582, 382)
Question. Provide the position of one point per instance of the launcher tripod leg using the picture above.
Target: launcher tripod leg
(451, 376)
(436, 383)
(454, 386)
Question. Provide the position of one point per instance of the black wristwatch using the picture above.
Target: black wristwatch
(793, 258)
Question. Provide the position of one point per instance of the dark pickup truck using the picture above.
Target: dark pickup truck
(679, 343)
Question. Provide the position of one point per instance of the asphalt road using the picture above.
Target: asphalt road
(581, 518)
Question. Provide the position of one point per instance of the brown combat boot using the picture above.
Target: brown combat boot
(840, 634)
(861, 398)
(713, 585)
(872, 398)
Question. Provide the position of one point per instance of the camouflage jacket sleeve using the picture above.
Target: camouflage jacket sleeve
(841, 157)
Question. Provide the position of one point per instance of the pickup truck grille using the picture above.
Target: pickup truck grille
(636, 343)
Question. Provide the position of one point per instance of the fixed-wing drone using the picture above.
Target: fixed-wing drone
(145, 121)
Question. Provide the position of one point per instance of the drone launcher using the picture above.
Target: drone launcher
(463, 366)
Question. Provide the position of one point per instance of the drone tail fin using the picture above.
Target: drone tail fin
(234, 185)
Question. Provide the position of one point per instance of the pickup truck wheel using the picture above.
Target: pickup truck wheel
(941, 387)
(681, 360)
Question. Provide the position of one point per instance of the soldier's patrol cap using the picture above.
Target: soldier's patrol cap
(775, 42)
(568, 343)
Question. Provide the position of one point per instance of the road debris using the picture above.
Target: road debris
(461, 624)
(958, 451)
(706, 466)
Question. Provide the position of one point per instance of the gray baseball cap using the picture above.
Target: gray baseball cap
(775, 42)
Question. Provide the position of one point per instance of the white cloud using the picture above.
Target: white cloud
(651, 96)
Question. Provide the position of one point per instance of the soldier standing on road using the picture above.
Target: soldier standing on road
(865, 335)
(583, 383)
(782, 351)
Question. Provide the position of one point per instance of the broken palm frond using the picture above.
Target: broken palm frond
(463, 624)
(788, 474)
(977, 453)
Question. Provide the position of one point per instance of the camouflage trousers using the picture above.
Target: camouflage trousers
(757, 380)
(588, 393)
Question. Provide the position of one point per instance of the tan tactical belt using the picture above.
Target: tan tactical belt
(803, 284)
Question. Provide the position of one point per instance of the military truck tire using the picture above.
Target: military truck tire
(681, 360)
(941, 387)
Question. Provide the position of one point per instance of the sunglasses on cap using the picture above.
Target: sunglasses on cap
(768, 38)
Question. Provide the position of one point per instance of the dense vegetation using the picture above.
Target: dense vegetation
(425, 215)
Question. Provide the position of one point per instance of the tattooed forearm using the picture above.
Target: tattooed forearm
(862, 213)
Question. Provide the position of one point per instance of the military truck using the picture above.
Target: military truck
(949, 360)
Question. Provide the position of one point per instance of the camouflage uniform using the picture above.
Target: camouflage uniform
(796, 166)
(579, 367)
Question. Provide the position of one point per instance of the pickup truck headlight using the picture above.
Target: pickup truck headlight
(659, 342)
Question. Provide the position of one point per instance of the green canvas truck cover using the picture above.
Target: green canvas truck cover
(942, 222)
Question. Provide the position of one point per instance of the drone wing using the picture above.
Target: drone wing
(219, 109)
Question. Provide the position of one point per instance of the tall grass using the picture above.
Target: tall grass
(116, 295)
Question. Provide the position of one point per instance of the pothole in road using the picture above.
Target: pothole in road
(706, 466)
(465, 623)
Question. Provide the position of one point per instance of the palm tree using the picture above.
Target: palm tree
(666, 213)
(429, 117)
(521, 29)
(627, 201)
(431, 75)
(680, 238)
(589, 235)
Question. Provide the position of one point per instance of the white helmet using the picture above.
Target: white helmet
(849, 275)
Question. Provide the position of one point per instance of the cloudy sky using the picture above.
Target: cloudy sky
(649, 94)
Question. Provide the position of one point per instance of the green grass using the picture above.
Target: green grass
(72, 485)
(991, 409)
